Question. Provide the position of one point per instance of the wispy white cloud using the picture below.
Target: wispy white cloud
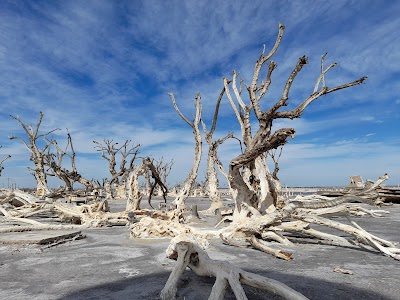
(103, 69)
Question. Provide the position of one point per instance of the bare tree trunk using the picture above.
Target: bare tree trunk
(135, 196)
(213, 183)
(108, 189)
(147, 183)
(212, 176)
(120, 189)
(40, 176)
(184, 193)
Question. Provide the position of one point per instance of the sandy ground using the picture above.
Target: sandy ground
(108, 265)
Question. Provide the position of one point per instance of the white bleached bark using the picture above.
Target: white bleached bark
(184, 193)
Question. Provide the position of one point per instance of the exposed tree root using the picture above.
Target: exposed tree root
(188, 253)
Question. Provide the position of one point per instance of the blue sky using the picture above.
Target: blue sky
(103, 69)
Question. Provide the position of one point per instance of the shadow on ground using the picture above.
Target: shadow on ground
(193, 287)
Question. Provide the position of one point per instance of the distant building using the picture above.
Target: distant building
(356, 182)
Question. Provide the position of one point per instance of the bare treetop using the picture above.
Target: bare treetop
(37, 155)
(110, 150)
(32, 133)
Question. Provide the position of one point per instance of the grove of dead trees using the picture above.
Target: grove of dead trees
(263, 218)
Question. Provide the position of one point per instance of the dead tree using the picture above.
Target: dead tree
(264, 139)
(184, 193)
(249, 221)
(135, 196)
(163, 168)
(37, 154)
(56, 165)
(109, 151)
(157, 181)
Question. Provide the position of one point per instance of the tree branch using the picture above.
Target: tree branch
(298, 111)
(179, 112)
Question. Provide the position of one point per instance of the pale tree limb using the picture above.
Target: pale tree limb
(39, 228)
(285, 94)
(134, 195)
(282, 254)
(233, 105)
(238, 96)
(264, 87)
(378, 239)
(272, 235)
(345, 209)
(257, 68)
(321, 78)
(298, 111)
(325, 202)
(304, 228)
(361, 235)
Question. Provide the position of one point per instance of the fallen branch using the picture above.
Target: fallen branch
(39, 228)
(282, 254)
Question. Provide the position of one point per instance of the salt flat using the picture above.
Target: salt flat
(109, 265)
